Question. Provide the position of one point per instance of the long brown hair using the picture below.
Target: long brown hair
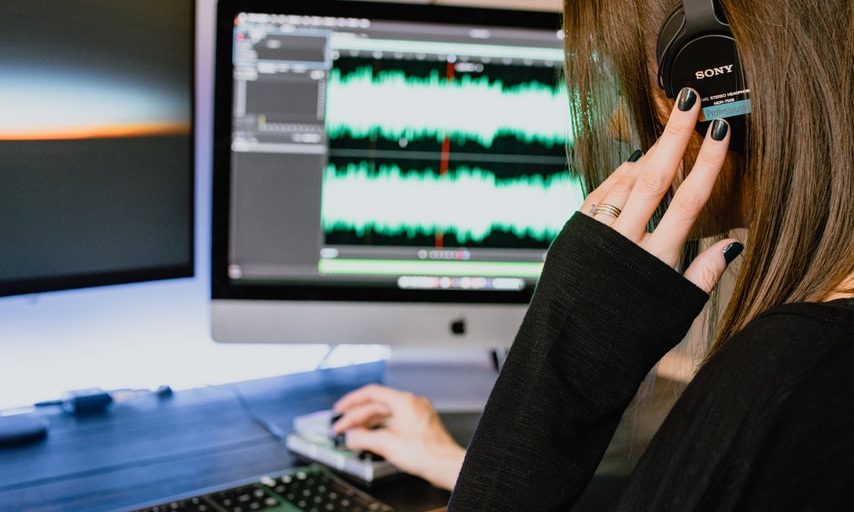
(796, 178)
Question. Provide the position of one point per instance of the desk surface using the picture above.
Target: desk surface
(150, 449)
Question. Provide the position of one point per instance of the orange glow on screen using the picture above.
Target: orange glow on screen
(115, 131)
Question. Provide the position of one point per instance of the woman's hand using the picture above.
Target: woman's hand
(637, 189)
(402, 428)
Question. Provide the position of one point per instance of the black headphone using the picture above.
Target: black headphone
(696, 49)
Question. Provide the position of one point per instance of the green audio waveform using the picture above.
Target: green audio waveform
(393, 106)
(470, 203)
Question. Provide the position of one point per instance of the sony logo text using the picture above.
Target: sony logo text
(709, 73)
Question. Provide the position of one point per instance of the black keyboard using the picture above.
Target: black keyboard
(306, 489)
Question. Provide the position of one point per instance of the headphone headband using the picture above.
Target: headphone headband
(700, 16)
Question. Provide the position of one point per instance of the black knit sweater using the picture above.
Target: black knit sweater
(767, 424)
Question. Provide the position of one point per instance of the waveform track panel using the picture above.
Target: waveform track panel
(392, 104)
(468, 206)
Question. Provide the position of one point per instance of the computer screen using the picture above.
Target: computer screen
(96, 142)
(379, 153)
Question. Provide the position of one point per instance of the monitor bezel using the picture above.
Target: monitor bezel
(222, 287)
(139, 275)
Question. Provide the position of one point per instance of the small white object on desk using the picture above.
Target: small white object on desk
(311, 439)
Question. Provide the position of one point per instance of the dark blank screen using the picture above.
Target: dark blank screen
(96, 164)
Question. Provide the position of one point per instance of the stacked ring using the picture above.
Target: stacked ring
(607, 209)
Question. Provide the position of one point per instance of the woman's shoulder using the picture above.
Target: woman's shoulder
(771, 358)
(796, 334)
(816, 314)
(763, 421)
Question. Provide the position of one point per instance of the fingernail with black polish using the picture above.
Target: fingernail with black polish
(687, 99)
(340, 441)
(719, 129)
(732, 251)
(635, 156)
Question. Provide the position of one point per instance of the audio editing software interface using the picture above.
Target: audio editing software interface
(396, 154)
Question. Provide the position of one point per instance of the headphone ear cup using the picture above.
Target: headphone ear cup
(700, 53)
(709, 64)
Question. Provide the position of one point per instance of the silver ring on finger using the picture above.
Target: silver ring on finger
(606, 209)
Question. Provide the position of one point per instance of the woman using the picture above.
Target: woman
(766, 424)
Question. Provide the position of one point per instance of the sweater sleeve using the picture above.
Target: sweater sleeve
(604, 312)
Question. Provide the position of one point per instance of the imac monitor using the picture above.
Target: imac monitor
(384, 173)
(96, 142)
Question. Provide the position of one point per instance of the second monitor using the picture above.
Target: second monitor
(385, 173)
